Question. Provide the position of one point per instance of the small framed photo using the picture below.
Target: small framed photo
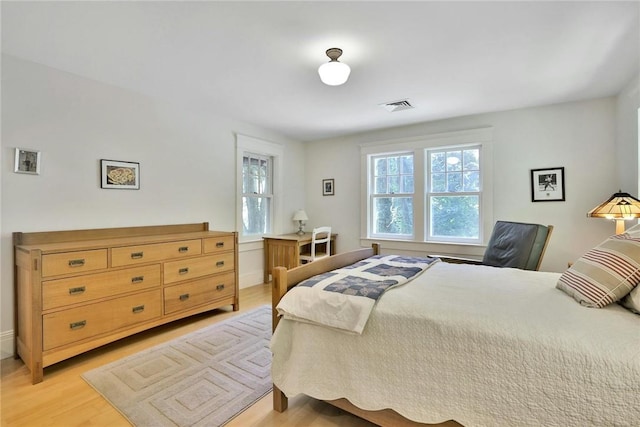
(328, 187)
(119, 175)
(547, 185)
(27, 161)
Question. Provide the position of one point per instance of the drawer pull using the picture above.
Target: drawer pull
(220, 264)
(220, 287)
(137, 279)
(137, 255)
(184, 297)
(183, 270)
(219, 244)
(138, 309)
(78, 290)
(76, 262)
(77, 325)
(183, 249)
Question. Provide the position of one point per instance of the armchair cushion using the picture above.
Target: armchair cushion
(516, 244)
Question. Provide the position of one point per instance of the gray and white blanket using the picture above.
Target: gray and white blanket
(343, 298)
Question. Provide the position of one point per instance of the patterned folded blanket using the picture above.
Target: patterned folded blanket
(343, 298)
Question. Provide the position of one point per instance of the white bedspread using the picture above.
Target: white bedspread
(480, 345)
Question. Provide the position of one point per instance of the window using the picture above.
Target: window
(257, 194)
(430, 189)
(392, 194)
(454, 194)
(259, 187)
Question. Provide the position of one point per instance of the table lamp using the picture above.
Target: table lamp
(300, 216)
(619, 207)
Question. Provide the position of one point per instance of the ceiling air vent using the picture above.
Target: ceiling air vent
(397, 105)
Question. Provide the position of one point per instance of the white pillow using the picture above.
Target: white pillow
(632, 301)
(633, 231)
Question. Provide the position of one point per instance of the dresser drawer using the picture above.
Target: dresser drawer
(219, 244)
(176, 271)
(68, 326)
(198, 292)
(132, 255)
(61, 292)
(73, 262)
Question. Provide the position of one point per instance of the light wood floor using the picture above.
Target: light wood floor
(64, 399)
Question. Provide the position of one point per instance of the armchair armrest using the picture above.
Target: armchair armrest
(457, 260)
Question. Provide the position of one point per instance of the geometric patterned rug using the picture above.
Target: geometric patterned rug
(204, 378)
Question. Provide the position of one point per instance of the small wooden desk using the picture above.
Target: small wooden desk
(284, 250)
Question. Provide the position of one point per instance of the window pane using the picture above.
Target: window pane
(407, 184)
(455, 216)
(394, 184)
(454, 161)
(407, 164)
(393, 174)
(437, 162)
(394, 166)
(454, 182)
(255, 215)
(393, 215)
(381, 185)
(471, 159)
(471, 181)
(438, 183)
(254, 175)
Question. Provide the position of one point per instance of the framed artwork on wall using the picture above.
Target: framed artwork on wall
(328, 187)
(27, 161)
(119, 175)
(547, 185)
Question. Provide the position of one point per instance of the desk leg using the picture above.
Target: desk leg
(267, 267)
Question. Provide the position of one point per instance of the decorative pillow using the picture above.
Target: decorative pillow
(633, 231)
(632, 301)
(605, 274)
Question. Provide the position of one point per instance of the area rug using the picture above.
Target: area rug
(205, 378)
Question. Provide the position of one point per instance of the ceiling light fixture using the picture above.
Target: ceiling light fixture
(334, 73)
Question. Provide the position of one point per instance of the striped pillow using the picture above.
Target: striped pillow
(605, 274)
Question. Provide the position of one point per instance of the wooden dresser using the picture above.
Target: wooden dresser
(77, 290)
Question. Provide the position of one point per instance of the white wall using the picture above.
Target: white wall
(187, 164)
(579, 136)
(627, 105)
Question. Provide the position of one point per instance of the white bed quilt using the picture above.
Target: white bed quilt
(480, 345)
(343, 298)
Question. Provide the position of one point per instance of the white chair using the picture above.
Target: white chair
(319, 236)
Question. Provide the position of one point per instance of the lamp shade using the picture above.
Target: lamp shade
(300, 215)
(334, 73)
(619, 207)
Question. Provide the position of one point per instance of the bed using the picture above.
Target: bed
(478, 345)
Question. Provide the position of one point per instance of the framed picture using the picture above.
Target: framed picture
(119, 175)
(547, 185)
(27, 161)
(328, 187)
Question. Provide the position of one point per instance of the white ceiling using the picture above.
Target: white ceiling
(257, 61)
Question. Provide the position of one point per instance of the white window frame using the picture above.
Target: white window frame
(247, 145)
(428, 193)
(482, 137)
(372, 195)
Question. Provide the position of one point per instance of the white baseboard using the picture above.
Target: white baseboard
(251, 279)
(6, 344)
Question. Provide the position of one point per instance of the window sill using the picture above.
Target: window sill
(425, 248)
